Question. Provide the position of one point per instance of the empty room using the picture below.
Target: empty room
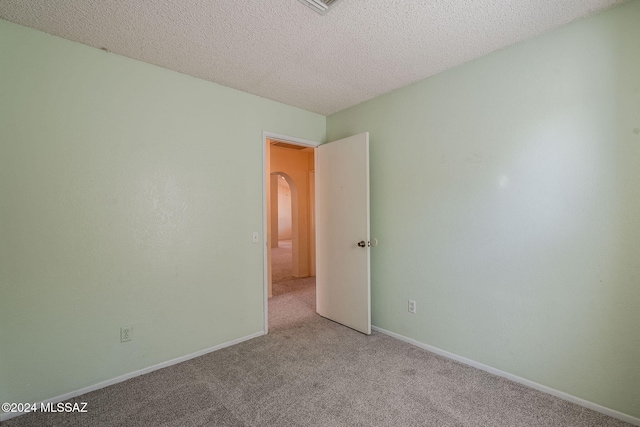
(462, 241)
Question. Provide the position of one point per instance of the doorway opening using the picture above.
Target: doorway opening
(290, 222)
(341, 221)
(282, 224)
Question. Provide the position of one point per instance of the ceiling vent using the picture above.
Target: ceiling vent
(320, 6)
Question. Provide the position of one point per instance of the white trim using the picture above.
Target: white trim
(265, 267)
(562, 395)
(292, 139)
(7, 415)
(265, 247)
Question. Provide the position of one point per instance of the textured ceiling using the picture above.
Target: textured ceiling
(282, 50)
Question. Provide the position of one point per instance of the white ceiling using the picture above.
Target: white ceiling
(282, 50)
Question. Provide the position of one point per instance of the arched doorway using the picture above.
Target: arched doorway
(284, 198)
(290, 179)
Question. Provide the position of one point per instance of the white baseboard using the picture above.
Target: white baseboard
(594, 406)
(7, 415)
(562, 395)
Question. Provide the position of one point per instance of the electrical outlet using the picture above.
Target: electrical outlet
(126, 333)
(412, 306)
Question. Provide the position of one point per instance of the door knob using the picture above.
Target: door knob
(362, 243)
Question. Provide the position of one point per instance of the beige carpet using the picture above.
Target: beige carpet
(281, 262)
(310, 371)
(283, 281)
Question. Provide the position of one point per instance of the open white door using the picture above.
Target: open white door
(343, 281)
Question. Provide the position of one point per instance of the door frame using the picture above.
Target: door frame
(265, 267)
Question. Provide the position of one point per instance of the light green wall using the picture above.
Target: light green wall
(128, 195)
(505, 194)
(506, 197)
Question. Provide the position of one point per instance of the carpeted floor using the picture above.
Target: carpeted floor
(310, 371)
(282, 262)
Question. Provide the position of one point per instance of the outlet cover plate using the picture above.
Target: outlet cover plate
(412, 306)
(126, 333)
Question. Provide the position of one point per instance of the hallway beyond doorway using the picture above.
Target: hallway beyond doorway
(283, 280)
(282, 262)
